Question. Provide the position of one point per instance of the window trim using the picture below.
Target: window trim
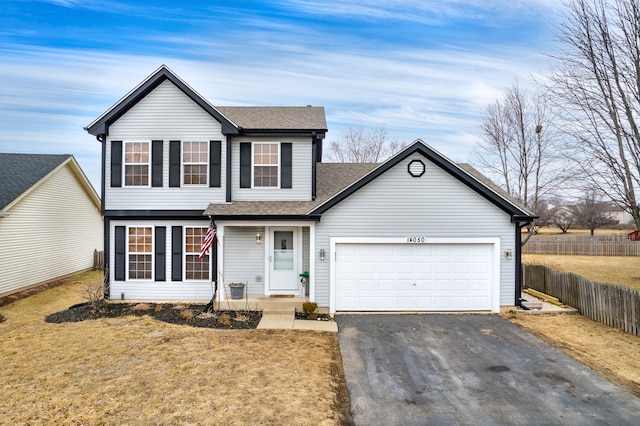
(128, 253)
(125, 164)
(205, 163)
(253, 165)
(185, 253)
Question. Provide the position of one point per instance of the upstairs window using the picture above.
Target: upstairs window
(266, 161)
(195, 163)
(136, 163)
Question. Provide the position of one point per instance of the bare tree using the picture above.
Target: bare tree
(596, 83)
(563, 218)
(591, 213)
(518, 147)
(356, 146)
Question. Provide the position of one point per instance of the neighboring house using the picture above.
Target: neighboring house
(50, 222)
(618, 214)
(415, 233)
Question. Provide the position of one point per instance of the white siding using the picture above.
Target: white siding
(244, 259)
(188, 291)
(164, 114)
(398, 205)
(300, 174)
(51, 232)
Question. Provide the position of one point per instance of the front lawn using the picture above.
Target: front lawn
(137, 370)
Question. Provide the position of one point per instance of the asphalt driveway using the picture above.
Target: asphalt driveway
(469, 369)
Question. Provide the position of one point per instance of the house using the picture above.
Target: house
(617, 214)
(50, 222)
(414, 233)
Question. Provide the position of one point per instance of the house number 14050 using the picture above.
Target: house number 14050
(416, 239)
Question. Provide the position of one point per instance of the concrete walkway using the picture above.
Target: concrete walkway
(279, 318)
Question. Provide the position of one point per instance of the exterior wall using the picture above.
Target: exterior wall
(164, 114)
(151, 290)
(51, 232)
(433, 205)
(300, 174)
(244, 259)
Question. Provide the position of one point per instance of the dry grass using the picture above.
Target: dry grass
(609, 351)
(577, 232)
(623, 270)
(139, 371)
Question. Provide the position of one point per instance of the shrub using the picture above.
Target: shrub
(94, 294)
(187, 314)
(309, 309)
(225, 319)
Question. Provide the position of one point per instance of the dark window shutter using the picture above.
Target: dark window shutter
(215, 163)
(116, 164)
(156, 163)
(174, 164)
(121, 244)
(285, 165)
(176, 253)
(160, 253)
(245, 165)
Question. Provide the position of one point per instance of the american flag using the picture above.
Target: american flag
(207, 242)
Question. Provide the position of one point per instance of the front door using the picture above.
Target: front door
(283, 275)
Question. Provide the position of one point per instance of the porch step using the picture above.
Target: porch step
(279, 310)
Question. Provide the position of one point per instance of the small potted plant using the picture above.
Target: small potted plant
(237, 290)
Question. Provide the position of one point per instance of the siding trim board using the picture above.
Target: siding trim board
(156, 214)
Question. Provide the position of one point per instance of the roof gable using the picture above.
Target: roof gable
(20, 173)
(100, 125)
(517, 213)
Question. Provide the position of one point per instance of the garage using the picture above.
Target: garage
(415, 277)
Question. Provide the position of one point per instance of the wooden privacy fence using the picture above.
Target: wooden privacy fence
(598, 245)
(98, 260)
(611, 304)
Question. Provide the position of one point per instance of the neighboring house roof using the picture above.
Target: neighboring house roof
(261, 118)
(234, 120)
(21, 173)
(331, 178)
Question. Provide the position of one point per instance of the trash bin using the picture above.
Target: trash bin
(237, 290)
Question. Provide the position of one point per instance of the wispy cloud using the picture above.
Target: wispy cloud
(434, 88)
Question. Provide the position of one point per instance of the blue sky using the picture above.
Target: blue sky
(422, 69)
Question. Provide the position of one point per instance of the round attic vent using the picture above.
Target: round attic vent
(416, 168)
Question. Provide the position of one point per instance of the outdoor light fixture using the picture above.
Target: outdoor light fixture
(258, 237)
(508, 254)
(322, 255)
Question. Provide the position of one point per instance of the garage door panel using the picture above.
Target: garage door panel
(423, 277)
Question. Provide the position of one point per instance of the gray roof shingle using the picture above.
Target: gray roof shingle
(273, 117)
(331, 179)
(19, 172)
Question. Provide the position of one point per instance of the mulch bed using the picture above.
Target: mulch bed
(180, 314)
(319, 317)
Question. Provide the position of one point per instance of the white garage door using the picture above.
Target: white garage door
(413, 277)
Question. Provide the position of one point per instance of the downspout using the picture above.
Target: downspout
(518, 298)
(228, 171)
(106, 247)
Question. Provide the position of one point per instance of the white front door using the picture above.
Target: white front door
(283, 274)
